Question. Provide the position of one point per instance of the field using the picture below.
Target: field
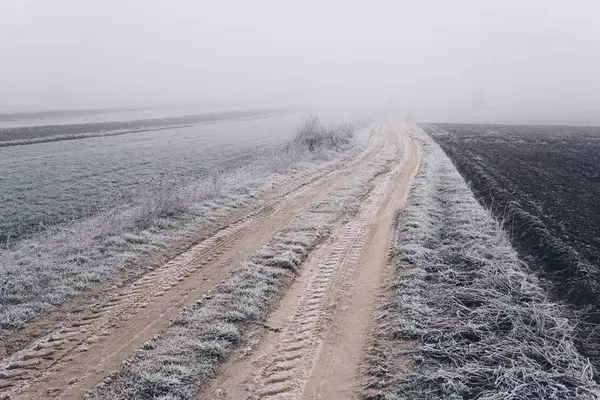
(23, 132)
(543, 182)
(464, 318)
(44, 184)
(273, 259)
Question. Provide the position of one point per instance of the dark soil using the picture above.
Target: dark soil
(543, 183)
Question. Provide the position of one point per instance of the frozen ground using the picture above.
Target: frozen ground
(46, 184)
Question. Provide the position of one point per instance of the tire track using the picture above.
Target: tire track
(301, 337)
(301, 181)
(285, 362)
(77, 355)
(337, 372)
(288, 372)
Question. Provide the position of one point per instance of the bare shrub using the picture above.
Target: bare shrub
(313, 135)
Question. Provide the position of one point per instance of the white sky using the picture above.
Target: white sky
(528, 60)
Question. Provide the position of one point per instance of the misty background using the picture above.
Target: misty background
(530, 61)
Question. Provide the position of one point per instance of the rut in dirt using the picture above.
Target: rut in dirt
(323, 321)
(75, 356)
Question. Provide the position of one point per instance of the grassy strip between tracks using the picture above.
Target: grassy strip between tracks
(179, 361)
(37, 275)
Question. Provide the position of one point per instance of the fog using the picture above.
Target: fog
(496, 61)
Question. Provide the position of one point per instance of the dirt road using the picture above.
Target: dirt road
(68, 353)
(323, 321)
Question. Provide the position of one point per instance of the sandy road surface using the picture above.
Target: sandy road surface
(76, 350)
(324, 319)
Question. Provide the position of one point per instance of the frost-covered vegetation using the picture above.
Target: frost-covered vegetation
(313, 134)
(179, 361)
(39, 274)
(543, 184)
(465, 318)
(46, 184)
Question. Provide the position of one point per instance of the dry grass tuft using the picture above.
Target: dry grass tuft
(313, 135)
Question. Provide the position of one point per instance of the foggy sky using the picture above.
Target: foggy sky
(528, 60)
